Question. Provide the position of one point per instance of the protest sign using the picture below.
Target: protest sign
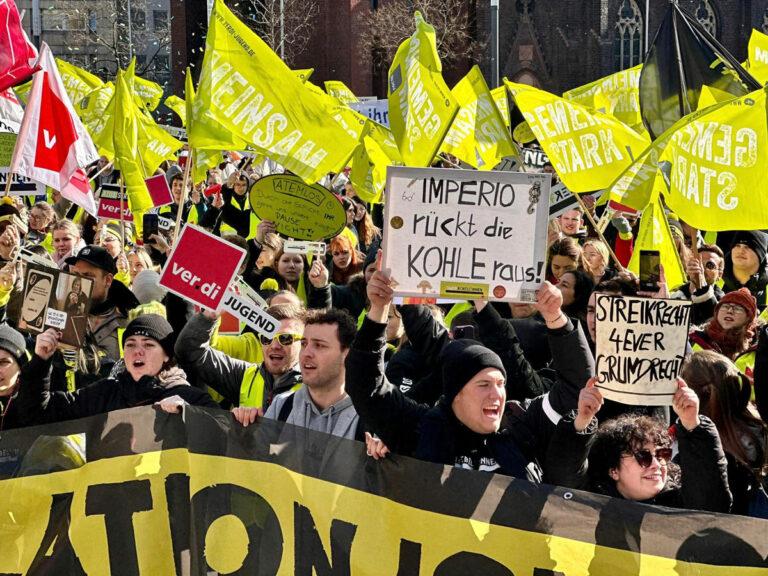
(56, 299)
(201, 267)
(20, 185)
(561, 199)
(534, 158)
(299, 210)
(109, 203)
(640, 348)
(7, 144)
(376, 110)
(245, 310)
(158, 189)
(304, 247)
(463, 234)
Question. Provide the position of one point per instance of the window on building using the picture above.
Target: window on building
(138, 19)
(705, 14)
(628, 39)
(160, 19)
(162, 63)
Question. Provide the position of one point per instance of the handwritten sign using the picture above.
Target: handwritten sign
(464, 234)
(201, 267)
(641, 346)
(561, 199)
(299, 210)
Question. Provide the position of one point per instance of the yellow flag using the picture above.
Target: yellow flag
(202, 159)
(717, 159)
(421, 107)
(126, 143)
(95, 110)
(179, 106)
(588, 149)
(477, 135)
(77, 82)
(502, 102)
(376, 151)
(148, 92)
(757, 58)
(616, 95)
(654, 234)
(304, 74)
(245, 87)
(339, 90)
(710, 96)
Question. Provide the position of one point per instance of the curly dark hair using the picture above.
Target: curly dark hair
(624, 435)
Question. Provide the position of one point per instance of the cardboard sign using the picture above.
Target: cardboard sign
(465, 234)
(201, 267)
(109, 203)
(376, 110)
(640, 348)
(245, 310)
(299, 210)
(21, 185)
(56, 299)
(158, 189)
(7, 144)
(304, 247)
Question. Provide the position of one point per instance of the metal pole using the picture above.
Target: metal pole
(494, 43)
(282, 30)
(130, 33)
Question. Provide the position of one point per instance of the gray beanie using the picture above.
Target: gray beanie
(146, 288)
(13, 342)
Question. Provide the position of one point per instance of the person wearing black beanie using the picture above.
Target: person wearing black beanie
(746, 266)
(467, 428)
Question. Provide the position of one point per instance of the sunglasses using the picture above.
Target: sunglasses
(284, 338)
(645, 457)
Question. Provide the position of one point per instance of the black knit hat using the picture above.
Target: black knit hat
(461, 361)
(13, 342)
(755, 239)
(152, 326)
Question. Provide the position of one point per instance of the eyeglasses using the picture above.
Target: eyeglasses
(733, 308)
(645, 457)
(709, 265)
(284, 338)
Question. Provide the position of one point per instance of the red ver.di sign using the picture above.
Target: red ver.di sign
(201, 267)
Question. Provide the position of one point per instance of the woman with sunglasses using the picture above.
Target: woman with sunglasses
(732, 330)
(631, 456)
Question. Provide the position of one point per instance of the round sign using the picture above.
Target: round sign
(299, 210)
(523, 133)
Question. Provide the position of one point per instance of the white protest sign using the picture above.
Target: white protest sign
(640, 348)
(304, 247)
(247, 311)
(466, 234)
(376, 110)
(21, 185)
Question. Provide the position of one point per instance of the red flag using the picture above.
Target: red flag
(53, 146)
(17, 55)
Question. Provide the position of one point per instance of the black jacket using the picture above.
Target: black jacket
(703, 302)
(757, 284)
(102, 396)
(704, 478)
(433, 433)
(348, 297)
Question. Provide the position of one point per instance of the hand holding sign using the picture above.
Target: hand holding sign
(590, 402)
(46, 343)
(686, 405)
(549, 302)
(9, 242)
(265, 227)
(8, 276)
(318, 274)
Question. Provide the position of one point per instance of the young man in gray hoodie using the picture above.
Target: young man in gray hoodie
(322, 404)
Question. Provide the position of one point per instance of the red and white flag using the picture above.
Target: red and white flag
(17, 54)
(53, 146)
(11, 112)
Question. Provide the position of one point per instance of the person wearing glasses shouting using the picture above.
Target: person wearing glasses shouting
(704, 276)
(630, 457)
(242, 383)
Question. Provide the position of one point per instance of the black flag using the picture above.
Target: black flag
(683, 58)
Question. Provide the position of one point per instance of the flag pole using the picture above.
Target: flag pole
(183, 199)
(100, 172)
(8, 178)
(122, 214)
(588, 214)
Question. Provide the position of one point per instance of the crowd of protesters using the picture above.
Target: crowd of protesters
(486, 386)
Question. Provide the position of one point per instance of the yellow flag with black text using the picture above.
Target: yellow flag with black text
(655, 234)
(478, 135)
(421, 107)
(717, 159)
(588, 149)
(245, 87)
(340, 91)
